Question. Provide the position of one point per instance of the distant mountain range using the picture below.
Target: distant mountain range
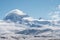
(17, 22)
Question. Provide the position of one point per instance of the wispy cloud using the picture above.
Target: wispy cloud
(55, 15)
(58, 6)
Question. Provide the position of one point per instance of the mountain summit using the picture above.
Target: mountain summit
(18, 16)
(16, 11)
(15, 15)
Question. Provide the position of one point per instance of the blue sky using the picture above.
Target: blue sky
(34, 8)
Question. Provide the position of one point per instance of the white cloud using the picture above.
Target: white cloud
(58, 6)
(9, 27)
(29, 18)
(55, 15)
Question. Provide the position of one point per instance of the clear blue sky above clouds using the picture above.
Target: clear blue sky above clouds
(34, 8)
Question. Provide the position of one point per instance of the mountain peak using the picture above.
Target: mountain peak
(15, 15)
(17, 11)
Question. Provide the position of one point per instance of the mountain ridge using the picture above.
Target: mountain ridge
(24, 24)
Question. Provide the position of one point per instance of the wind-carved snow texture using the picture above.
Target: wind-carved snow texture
(19, 26)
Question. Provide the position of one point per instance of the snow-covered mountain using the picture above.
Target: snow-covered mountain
(18, 22)
(18, 16)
